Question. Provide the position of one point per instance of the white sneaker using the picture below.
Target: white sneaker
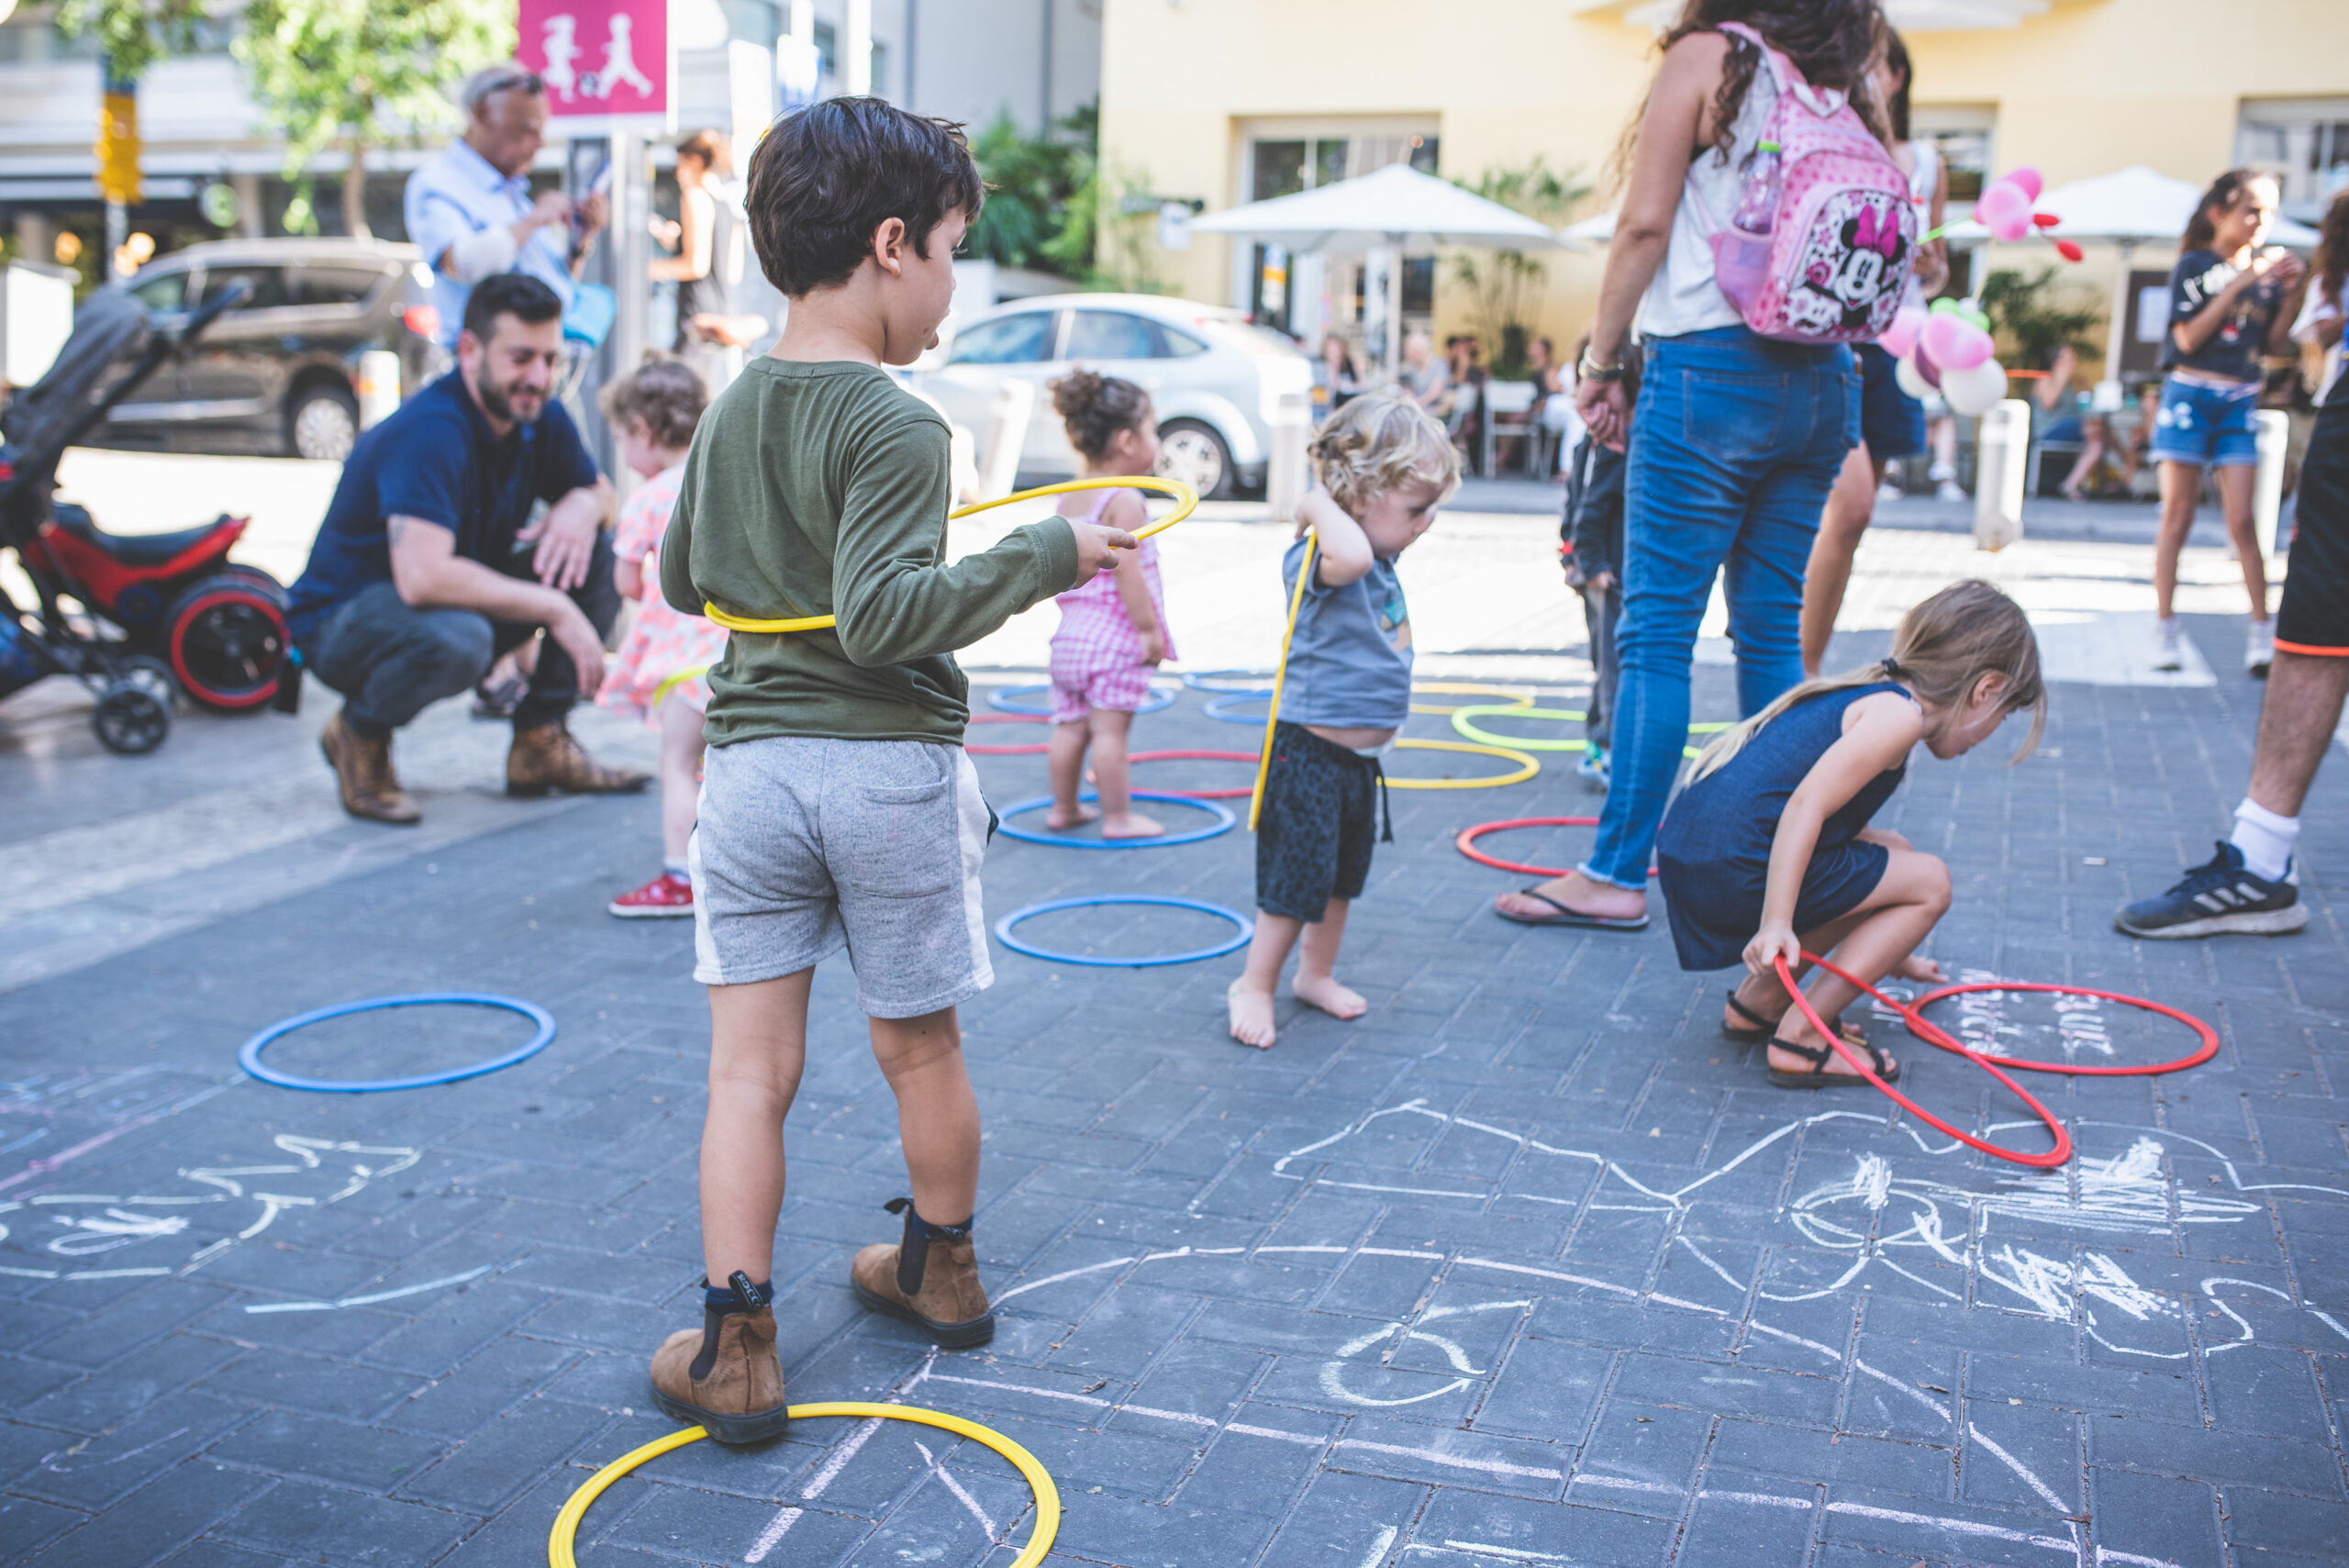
(1951, 491)
(1941, 473)
(2260, 652)
(2170, 653)
(1890, 491)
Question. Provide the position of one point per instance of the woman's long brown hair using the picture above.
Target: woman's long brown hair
(2202, 229)
(1832, 42)
(2332, 247)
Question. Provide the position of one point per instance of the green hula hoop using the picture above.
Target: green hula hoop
(1463, 720)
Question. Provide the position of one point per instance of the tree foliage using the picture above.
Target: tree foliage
(1042, 192)
(324, 71)
(133, 34)
(2034, 314)
(1504, 287)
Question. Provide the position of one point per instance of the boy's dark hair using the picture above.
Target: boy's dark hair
(663, 395)
(1098, 407)
(524, 298)
(826, 176)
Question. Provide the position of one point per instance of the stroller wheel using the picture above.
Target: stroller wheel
(130, 719)
(134, 711)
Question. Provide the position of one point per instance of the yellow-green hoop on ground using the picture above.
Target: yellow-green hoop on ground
(1463, 721)
(1187, 501)
(1048, 1496)
(1527, 765)
(1520, 696)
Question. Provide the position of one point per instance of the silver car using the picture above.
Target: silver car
(1216, 379)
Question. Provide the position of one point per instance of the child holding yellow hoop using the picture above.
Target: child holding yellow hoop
(839, 810)
(652, 411)
(1113, 630)
(1384, 466)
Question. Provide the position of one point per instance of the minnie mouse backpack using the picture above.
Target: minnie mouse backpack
(1836, 264)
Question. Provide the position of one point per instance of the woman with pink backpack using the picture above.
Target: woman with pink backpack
(1765, 228)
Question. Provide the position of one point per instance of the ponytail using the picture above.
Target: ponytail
(1943, 647)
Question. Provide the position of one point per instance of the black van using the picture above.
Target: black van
(280, 373)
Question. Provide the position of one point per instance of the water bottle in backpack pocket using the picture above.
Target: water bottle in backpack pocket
(1821, 248)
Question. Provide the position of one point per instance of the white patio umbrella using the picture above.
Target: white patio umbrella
(2130, 208)
(1396, 207)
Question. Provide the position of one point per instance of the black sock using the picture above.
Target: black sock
(733, 1297)
(945, 1233)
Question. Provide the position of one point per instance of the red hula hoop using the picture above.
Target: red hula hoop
(1036, 750)
(2209, 1036)
(1250, 757)
(1919, 1026)
(1466, 843)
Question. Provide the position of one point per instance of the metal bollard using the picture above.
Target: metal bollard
(1286, 474)
(2002, 456)
(2268, 485)
(1007, 434)
(379, 387)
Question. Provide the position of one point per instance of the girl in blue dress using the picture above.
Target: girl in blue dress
(1769, 850)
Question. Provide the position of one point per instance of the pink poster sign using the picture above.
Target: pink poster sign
(603, 60)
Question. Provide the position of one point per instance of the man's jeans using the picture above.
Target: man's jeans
(1734, 444)
(391, 661)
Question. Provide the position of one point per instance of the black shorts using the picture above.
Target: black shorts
(1318, 821)
(2315, 616)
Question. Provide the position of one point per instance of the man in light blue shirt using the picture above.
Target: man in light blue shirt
(470, 210)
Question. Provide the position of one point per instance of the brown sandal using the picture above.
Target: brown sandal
(1819, 1077)
(1764, 1028)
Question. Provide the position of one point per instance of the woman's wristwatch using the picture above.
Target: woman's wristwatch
(1589, 369)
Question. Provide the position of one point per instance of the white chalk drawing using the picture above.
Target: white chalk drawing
(198, 1215)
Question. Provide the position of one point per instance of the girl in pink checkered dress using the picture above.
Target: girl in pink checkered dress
(1113, 630)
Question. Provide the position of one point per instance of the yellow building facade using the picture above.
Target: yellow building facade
(1227, 101)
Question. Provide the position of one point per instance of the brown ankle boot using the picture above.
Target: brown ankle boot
(545, 760)
(362, 769)
(934, 1284)
(725, 1376)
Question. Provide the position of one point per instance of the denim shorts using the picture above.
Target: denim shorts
(2209, 425)
(1892, 422)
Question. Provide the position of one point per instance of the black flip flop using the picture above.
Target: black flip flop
(1565, 917)
(1819, 1078)
(1764, 1028)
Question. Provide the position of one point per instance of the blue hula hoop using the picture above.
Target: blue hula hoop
(1220, 708)
(1250, 681)
(1243, 929)
(1223, 823)
(1002, 699)
(249, 1056)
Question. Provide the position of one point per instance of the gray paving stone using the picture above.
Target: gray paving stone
(326, 1524)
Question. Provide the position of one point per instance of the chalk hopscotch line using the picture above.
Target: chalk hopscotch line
(371, 1300)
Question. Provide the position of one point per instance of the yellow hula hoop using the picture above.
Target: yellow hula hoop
(661, 692)
(1280, 674)
(1187, 501)
(1527, 765)
(1048, 1496)
(1520, 697)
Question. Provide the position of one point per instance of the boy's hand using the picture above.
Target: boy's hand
(1097, 549)
(1154, 647)
(1775, 940)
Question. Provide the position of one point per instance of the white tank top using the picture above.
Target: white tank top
(1683, 297)
(1923, 178)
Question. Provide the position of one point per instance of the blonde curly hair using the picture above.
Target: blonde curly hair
(1378, 441)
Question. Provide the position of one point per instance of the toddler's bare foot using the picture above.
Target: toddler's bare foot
(1132, 825)
(1251, 1014)
(1061, 822)
(1325, 993)
(1916, 967)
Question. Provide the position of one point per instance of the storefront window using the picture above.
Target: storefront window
(2305, 145)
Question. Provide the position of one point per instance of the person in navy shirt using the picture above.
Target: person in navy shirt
(429, 563)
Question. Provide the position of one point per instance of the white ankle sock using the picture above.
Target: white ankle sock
(2265, 839)
(677, 868)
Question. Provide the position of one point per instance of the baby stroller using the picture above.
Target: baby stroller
(151, 614)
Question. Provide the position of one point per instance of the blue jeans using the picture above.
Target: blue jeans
(1736, 442)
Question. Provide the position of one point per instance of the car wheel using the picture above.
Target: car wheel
(1195, 454)
(324, 423)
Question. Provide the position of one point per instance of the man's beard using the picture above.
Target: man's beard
(497, 406)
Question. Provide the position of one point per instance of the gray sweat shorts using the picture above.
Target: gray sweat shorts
(805, 847)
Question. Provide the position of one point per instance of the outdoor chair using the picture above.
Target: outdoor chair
(1509, 411)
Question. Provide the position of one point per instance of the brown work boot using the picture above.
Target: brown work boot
(362, 769)
(725, 1376)
(932, 1284)
(545, 760)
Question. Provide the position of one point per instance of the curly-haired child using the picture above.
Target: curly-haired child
(1113, 630)
(1384, 466)
(661, 671)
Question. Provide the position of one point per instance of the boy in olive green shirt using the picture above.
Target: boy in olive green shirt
(838, 808)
